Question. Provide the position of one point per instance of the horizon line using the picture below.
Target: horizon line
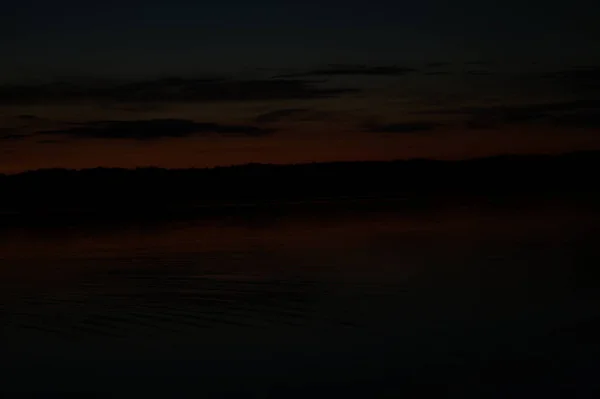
(254, 164)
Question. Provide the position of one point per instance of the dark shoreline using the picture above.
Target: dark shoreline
(101, 195)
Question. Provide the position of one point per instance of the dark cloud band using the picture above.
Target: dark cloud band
(155, 129)
(169, 90)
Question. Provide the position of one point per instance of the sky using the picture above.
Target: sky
(182, 84)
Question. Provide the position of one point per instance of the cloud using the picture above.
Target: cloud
(437, 64)
(481, 122)
(27, 117)
(583, 119)
(168, 90)
(541, 113)
(293, 115)
(582, 81)
(437, 73)
(50, 141)
(353, 71)
(576, 76)
(479, 73)
(10, 134)
(224, 90)
(13, 137)
(277, 115)
(155, 129)
(134, 108)
(557, 113)
(410, 127)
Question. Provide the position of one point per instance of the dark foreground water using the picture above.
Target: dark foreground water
(461, 301)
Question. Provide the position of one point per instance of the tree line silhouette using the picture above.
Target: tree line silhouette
(152, 189)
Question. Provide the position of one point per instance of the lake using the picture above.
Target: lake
(464, 300)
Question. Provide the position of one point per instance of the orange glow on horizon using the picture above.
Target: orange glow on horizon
(287, 148)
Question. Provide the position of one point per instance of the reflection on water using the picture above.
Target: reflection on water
(280, 301)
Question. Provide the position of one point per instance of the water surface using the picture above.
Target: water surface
(472, 300)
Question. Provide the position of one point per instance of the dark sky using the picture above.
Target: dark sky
(127, 83)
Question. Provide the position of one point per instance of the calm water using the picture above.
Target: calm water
(482, 301)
